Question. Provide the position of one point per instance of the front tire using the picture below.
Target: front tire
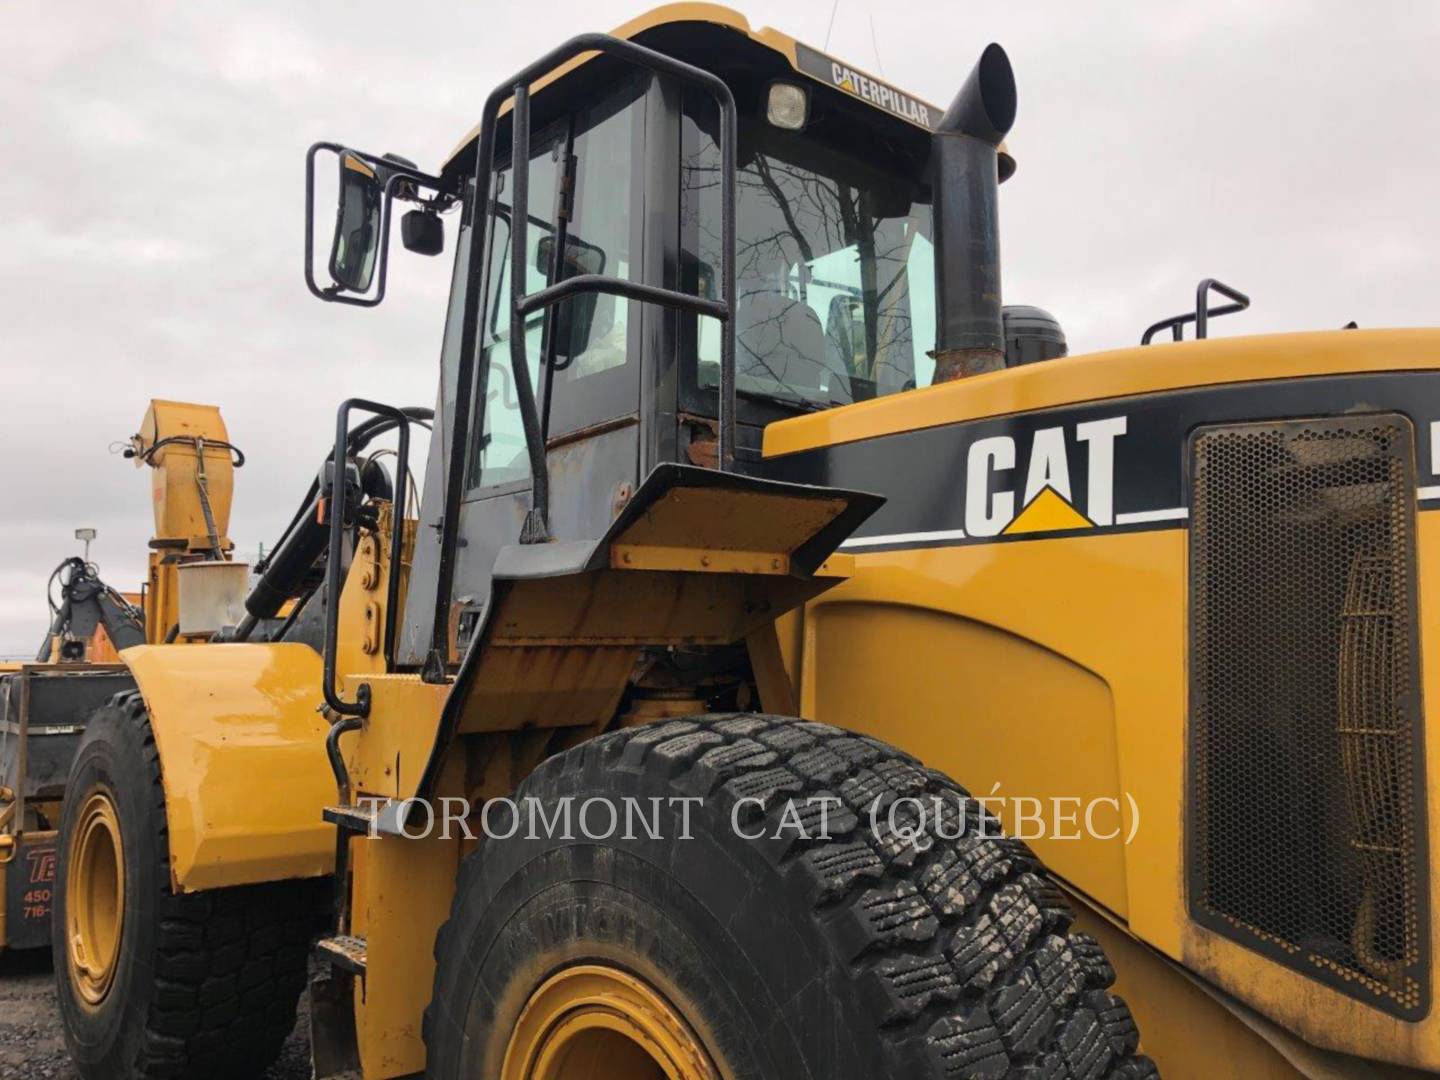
(804, 958)
(151, 984)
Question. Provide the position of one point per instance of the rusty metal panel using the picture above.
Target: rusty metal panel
(643, 607)
(547, 686)
(732, 520)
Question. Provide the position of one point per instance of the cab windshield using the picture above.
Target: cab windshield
(834, 272)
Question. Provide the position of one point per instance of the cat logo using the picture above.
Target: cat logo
(856, 83)
(1044, 504)
(1049, 511)
(1056, 479)
(878, 93)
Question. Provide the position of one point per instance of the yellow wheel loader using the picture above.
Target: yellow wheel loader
(732, 428)
(45, 703)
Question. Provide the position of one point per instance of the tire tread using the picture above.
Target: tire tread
(963, 945)
(229, 964)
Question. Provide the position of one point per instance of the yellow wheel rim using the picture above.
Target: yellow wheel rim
(595, 1022)
(95, 898)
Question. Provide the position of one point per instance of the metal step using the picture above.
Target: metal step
(376, 818)
(344, 952)
(354, 819)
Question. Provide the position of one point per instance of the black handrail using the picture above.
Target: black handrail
(536, 527)
(340, 727)
(335, 508)
(1202, 314)
(518, 88)
(629, 290)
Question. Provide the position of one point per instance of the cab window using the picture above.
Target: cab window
(834, 287)
(592, 370)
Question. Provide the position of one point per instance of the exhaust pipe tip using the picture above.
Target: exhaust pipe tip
(967, 167)
(984, 108)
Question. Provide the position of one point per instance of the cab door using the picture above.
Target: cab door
(584, 218)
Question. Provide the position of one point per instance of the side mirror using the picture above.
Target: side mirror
(580, 257)
(574, 318)
(423, 232)
(357, 225)
(368, 190)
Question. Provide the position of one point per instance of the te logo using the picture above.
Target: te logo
(42, 866)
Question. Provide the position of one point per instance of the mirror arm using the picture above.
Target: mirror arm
(397, 174)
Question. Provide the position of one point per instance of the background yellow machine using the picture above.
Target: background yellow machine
(733, 427)
(44, 705)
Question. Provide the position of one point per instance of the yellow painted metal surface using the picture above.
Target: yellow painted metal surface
(242, 754)
(559, 650)
(388, 754)
(717, 519)
(1098, 376)
(547, 685)
(598, 1022)
(359, 645)
(95, 901)
(1057, 668)
(999, 687)
(177, 509)
(624, 607)
(767, 664)
(402, 892)
(181, 530)
(697, 560)
(715, 14)
(1189, 1033)
(1047, 512)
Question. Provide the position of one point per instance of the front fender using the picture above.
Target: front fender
(242, 757)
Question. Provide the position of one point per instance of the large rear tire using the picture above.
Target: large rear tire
(151, 984)
(798, 958)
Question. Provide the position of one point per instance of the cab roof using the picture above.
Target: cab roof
(804, 60)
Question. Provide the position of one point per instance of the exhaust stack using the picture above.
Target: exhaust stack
(969, 333)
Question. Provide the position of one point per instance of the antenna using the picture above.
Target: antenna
(85, 536)
(875, 44)
(833, 9)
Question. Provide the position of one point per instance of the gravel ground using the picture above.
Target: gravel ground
(32, 1047)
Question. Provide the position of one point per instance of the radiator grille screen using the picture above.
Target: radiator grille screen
(1306, 802)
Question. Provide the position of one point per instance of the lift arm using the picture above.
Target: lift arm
(85, 603)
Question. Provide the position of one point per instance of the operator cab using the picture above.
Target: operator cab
(835, 264)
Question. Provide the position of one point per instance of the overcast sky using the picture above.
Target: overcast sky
(150, 242)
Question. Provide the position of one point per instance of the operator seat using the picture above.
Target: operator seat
(781, 340)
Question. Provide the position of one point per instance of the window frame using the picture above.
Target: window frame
(614, 394)
(752, 412)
